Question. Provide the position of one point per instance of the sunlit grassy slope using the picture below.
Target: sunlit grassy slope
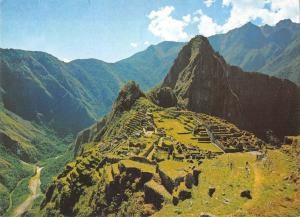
(272, 193)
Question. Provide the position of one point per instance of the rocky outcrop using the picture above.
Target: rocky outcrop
(126, 98)
(204, 82)
(164, 97)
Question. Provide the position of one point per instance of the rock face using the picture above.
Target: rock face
(164, 97)
(204, 82)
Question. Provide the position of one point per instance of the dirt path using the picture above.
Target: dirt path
(258, 178)
(34, 185)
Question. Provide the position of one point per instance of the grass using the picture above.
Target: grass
(174, 169)
(175, 128)
(12, 170)
(267, 186)
(4, 198)
(160, 189)
(142, 166)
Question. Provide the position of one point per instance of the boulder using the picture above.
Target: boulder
(184, 194)
(175, 200)
(246, 194)
(211, 191)
(196, 173)
(206, 214)
(189, 180)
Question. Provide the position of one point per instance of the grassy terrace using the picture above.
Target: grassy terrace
(176, 127)
(159, 188)
(267, 184)
(174, 169)
(142, 166)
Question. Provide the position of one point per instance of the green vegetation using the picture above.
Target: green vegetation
(4, 198)
(22, 141)
(141, 158)
(53, 166)
(12, 173)
(147, 160)
(174, 169)
(19, 194)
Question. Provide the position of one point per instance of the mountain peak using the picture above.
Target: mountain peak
(127, 97)
(130, 88)
(200, 43)
(284, 22)
(198, 49)
(249, 26)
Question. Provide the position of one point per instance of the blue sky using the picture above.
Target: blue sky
(111, 30)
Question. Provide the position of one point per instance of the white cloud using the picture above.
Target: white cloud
(146, 43)
(133, 44)
(66, 60)
(187, 18)
(243, 11)
(246, 10)
(208, 3)
(206, 25)
(163, 25)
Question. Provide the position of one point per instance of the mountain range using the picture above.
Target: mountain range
(171, 151)
(44, 101)
(272, 50)
(39, 87)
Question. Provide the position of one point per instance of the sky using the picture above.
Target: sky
(111, 30)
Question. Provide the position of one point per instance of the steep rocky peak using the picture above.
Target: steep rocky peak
(127, 97)
(200, 45)
(198, 52)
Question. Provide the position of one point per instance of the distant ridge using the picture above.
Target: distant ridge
(70, 96)
(272, 50)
